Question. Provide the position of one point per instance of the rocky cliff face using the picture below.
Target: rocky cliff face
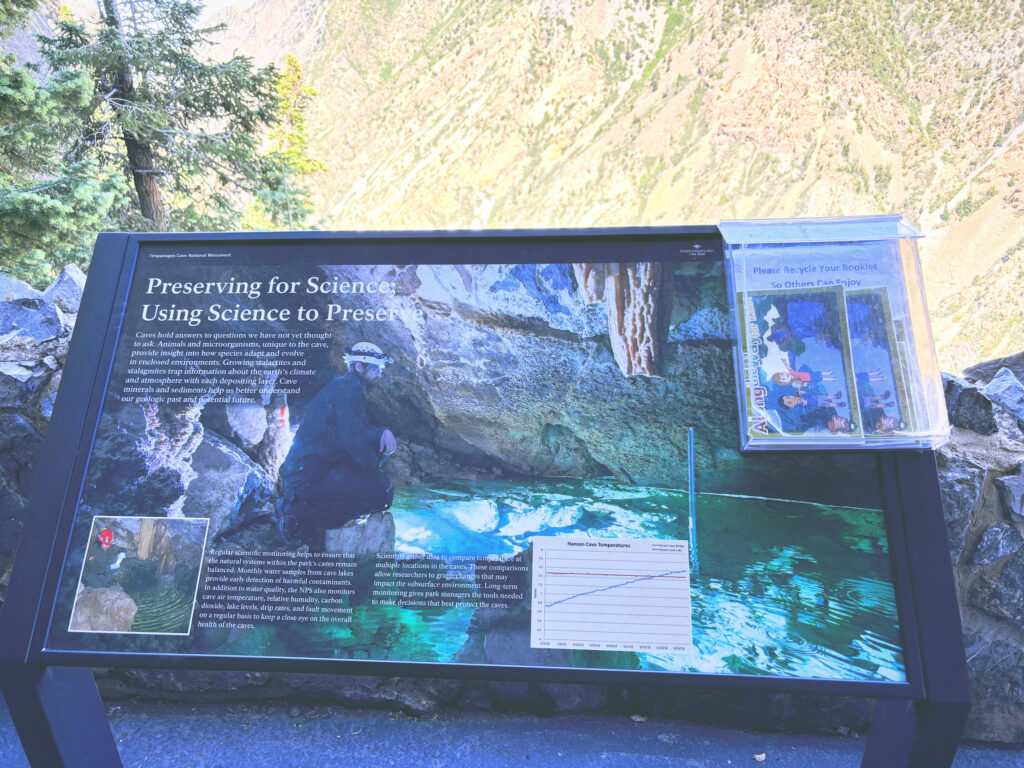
(619, 112)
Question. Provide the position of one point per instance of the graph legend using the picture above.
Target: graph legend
(611, 594)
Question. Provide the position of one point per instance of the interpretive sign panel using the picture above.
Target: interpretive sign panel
(475, 451)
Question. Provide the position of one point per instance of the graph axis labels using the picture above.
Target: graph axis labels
(611, 595)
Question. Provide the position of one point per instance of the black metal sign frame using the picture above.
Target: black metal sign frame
(53, 699)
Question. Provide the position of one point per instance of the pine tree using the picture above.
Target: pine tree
(53, 199)
(185, 129)
(287, 202)
(14, 12)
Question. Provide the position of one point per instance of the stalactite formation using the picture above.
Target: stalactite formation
(637, 301)
(591, 278)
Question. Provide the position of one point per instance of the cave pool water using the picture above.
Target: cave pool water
(162, 608)
(784, 588)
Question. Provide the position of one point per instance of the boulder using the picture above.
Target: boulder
(18, 381)
(996, 543)
(999, 591)
(66, 290)
(1007, 390)
(248, 423)
(30, 320)
(19, 446)
(996, 669)
(960, 484)
(986, 371)
(1011, 495)
(224, 479)
(48, 395)
(11, 289)
(981, 482)
(968, 407)
(140, 458)
(244, 424)
(365, 536)
(12, 516)
(103, 609)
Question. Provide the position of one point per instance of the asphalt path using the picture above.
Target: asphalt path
(281, 735)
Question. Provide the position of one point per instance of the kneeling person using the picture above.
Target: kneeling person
(332, 473)
(103, 560)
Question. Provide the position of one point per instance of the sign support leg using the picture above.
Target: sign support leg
(59, 716)
(914, 734)
(924, 733)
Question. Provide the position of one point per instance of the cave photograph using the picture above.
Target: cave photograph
(140, 574)
(377, 437)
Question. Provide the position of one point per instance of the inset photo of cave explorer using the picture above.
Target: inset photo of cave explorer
(140, 575)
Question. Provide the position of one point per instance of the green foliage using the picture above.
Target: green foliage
(373, 11)
(284, 200)
(54, 222)
(856, 171)
(883, 177)
(966, 207)
(208, 145)
(53, 199)
(13, 12)
(187, 130)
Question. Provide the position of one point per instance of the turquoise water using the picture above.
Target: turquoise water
(784, 588)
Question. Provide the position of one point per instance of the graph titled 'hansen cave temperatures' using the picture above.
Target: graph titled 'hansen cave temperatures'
(611, 594)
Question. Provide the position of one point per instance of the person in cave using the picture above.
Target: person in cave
(103, 560)
(811, 402)
(332, 473)
(799, 379)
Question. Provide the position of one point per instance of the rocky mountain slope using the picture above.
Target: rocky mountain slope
(615, 112)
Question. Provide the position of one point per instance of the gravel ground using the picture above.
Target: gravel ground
(281, 735)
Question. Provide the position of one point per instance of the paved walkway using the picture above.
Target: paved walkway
(276, 735)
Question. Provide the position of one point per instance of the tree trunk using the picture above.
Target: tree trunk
(140, 160)
(140, 152)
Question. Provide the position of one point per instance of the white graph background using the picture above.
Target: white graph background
(611, 594)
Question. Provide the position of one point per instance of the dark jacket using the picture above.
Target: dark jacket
(97, 571)
(335, 435)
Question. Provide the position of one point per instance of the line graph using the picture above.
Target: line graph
(611, 594)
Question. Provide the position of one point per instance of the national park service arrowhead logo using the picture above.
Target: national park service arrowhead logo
(697, 251)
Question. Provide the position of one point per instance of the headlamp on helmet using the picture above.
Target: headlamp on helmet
(368, 354)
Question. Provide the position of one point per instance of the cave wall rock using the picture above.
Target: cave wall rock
(103, 609)
(513, 369)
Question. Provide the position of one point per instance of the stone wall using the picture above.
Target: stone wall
(981, 475)
(35, 328)
(981, 472)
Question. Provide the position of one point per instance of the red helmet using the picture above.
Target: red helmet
(106, 537)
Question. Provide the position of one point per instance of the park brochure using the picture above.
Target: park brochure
(835, 349)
